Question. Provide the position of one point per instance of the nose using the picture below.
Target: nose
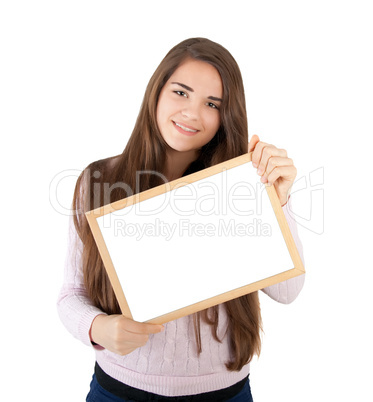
(191, 111)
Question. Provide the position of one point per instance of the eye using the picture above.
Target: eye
(212, 105)
(181, 93)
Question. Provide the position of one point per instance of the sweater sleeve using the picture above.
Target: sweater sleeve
(287, 291)
(74, 307)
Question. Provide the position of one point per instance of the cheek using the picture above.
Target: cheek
(159, 112)
(161, 108)
(165, 109)
(159, 117)
(213, 122)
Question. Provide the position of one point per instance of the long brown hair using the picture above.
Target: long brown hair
(111, 179)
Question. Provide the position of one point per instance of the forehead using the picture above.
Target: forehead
(200, 76)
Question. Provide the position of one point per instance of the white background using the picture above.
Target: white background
(72, 77)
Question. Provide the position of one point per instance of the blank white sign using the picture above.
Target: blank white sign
(195, 242)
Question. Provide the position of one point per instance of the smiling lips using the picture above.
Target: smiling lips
(184, 129)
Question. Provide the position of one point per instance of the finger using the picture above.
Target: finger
(135, 340)
(253, 141)
(268, 152)
(143, 328)
(286, 172)
(130, 340)
(153, 328)
(276, 161)
(257, 153)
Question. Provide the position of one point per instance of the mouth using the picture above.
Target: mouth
(184, 129)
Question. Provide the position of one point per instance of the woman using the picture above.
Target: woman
(193, 116)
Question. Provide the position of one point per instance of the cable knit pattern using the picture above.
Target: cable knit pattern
(168, 364)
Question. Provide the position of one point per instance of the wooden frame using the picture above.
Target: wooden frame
(148, 292)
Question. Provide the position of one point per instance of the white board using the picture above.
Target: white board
(195, 242)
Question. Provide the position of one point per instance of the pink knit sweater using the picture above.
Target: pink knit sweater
(168, 364)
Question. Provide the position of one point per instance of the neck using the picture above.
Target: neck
(177, 163)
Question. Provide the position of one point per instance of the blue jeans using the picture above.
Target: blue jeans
(99, 394)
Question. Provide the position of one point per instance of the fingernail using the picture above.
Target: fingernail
(255, 165)
(260, 172)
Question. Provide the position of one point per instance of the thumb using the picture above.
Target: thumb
(154, 328)
(148, 328)
(253, 141)
(140, 327)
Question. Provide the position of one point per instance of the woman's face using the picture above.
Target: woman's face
(188, 111)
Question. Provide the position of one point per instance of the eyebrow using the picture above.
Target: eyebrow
(192, 90)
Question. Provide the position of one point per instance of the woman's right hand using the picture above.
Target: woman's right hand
(121, 335)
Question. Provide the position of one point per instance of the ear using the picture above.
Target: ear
(253, 141)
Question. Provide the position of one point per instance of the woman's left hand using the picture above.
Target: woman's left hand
(273, 166)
